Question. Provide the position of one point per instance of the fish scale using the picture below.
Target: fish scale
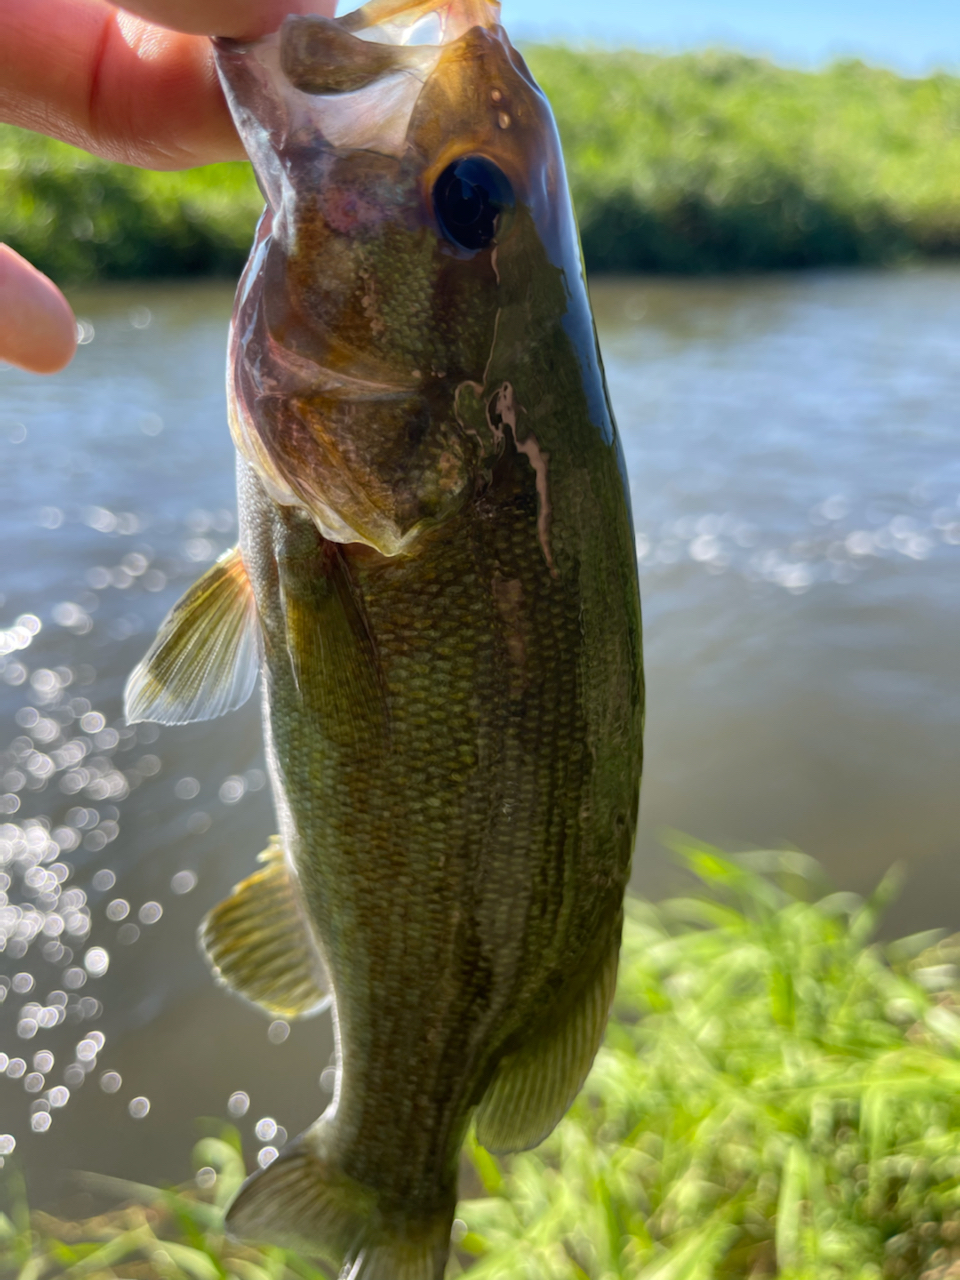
(382, 834)
(437, 580)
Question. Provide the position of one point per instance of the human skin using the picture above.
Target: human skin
(135, 85)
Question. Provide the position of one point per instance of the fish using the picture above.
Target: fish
(436, 587)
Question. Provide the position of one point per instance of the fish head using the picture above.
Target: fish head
(414, 186)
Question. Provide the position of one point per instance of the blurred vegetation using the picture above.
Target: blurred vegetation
(79, 218)
(778, 1095)
(717, 162)
(703, 162)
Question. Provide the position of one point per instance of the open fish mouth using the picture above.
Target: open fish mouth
(354, 80)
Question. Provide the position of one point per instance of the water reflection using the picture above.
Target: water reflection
(116, 840)
(792, 447)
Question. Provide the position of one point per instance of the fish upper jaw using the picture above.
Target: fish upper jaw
(423, 21)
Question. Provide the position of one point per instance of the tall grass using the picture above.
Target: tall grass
(706, 162)
(778, 1094)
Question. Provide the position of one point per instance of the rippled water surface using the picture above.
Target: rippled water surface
(793, 453)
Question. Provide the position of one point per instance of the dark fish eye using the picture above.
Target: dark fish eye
(469, 197)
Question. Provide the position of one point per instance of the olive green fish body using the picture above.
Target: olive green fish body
(463, 843)
(436, 578)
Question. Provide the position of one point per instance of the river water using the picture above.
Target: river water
(794, 453)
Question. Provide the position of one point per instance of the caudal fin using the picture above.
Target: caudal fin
(299, 1202)
(401, 1257)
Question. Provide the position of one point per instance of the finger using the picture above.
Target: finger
(238, 18)
(37, 328)
(113, 83)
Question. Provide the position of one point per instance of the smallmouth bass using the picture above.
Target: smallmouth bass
(436, 579)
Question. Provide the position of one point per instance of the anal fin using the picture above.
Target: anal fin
(259, 944)
(206, 657)
(533, 1087)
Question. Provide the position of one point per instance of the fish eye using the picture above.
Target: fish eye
(468, 198)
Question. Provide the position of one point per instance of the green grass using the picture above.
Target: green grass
(778, 1094)
(706, 162)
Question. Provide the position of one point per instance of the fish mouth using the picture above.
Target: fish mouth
(355, 80)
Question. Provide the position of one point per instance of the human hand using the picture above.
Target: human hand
(136, 85)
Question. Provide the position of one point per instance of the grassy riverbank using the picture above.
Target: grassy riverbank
(696, 163)
(778, 1095)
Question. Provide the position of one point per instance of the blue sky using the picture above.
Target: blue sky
(913, 36)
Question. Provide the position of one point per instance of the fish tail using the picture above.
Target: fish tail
(416, 1253)
(302, 1202)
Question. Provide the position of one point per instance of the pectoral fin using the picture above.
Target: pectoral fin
(259, 944)
(206, 657)
(533, 1088)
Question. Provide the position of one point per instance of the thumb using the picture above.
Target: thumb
(37, 328)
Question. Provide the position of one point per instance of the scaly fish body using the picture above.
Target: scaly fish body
(437, 570)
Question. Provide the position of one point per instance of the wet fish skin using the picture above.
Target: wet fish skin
(436, 537)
